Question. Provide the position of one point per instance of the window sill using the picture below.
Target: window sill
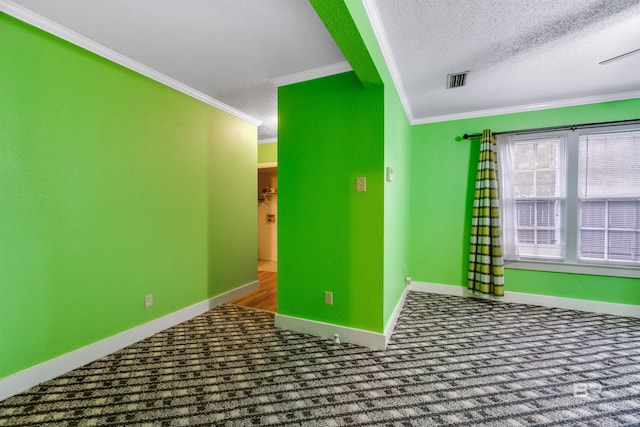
(594, 270)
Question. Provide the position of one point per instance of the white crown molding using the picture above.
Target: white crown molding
(314, 73)
(372, 340)
(530, 107)
(383, 41)
(52, 368)
(536, 299)
(267, 141)
(32, 18)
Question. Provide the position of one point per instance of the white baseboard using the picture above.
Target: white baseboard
(541, 300)
(574, 304)
(388, 331)
(434, 288)
(373, 340)
(25, 379)
(236, 293)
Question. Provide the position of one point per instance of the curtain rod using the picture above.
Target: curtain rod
(566, 127)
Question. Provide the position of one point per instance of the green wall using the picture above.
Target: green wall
(442, 182)
(268, 152)
(397, 155)
(330, 237)
(112, 186)
(354, 135)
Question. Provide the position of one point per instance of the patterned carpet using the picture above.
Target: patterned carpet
(448, 363)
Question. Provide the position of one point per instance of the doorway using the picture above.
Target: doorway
(266, 298)
(267, 219)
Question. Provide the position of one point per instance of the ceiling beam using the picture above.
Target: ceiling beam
(336, 17)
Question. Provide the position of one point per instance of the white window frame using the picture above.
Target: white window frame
(569, 206)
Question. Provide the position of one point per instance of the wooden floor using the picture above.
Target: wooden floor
(266, 297)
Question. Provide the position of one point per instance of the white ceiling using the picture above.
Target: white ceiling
(230, 50)
(521, 54)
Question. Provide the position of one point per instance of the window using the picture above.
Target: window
(571, 197)
(609, 197)
(539, 195)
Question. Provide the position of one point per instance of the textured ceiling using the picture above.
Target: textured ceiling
(230, 50)
(520, 54)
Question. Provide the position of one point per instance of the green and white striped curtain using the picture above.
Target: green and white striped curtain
(486, 265)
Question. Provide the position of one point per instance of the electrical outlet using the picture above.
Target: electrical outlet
(148, 301)
(361, 184)
(328, 298)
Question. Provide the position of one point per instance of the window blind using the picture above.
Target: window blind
(609, 196)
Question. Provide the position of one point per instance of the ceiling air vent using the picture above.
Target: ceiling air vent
(457, 79)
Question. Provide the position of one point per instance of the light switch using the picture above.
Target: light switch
(389, 174)
(361, 183)
(328, 298)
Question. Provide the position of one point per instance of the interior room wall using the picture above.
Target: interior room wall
(397, 196)
(349, 26)
(112, 186)
(397, 156)
(442, 182)
(268, 152)
(330, 133)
